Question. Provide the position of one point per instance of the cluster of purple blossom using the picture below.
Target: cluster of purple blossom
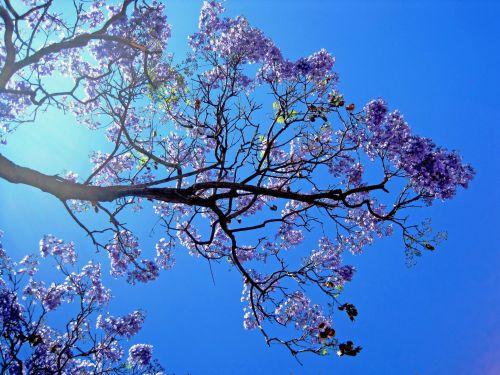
(235, 41)
(124, 253)
(434, 172)
(289, 234)
(140, 355)
(146, 27)
(110, 172)
(125, 326)
(297, 309)
(12, 109)
(54, 246)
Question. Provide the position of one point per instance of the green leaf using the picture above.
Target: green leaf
(142, 161)
(324, 352)
(280, 120)
(276, 106)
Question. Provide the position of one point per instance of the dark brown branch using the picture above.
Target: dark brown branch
(65, 190)
(10, 56)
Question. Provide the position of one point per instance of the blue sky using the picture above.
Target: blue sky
(437, 61)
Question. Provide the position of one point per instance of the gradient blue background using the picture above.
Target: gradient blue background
(438, 62)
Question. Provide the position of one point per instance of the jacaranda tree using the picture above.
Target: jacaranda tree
(29, 345)
(239, 151)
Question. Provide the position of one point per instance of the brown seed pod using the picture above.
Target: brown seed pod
(350, 107)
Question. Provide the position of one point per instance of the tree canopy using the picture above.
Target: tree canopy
(240, 152)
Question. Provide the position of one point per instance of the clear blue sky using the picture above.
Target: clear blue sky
(437, 61)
